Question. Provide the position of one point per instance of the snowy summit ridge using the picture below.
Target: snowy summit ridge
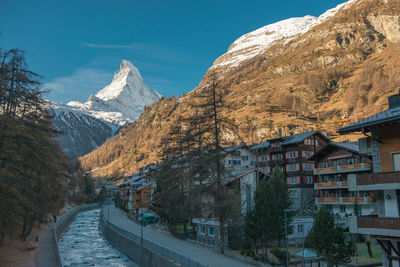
(258, 41)
(123, 99)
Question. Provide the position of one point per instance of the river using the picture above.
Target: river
(83, 244)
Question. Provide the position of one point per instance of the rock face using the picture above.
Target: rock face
(121, 101)
(81, 133)
(387, 25)
(86, 126)
(279, 78)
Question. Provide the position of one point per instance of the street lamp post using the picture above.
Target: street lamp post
(286, 235)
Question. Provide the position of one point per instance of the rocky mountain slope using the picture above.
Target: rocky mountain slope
(340, 66)
(85, 126)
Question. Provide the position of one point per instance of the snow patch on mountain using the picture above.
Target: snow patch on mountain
(123, 100)
(256, 42)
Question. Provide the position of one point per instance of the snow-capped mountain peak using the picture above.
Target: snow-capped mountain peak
(127, 71)
(123, 99)
(256, 42)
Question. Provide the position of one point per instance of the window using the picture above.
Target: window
(263, 158)
(211, 231)
(293, 194)
(292, 155)
(337, 162)
(229, 162)
(324, 164)
(202, 229)
(316, 142)
(292, 167)
(309, 167)
(350, 161)
(293, 180)
(245, 157)
(300, 228)
(309, 179)
(252, 163)
(308, 141)
(343, 208)
(308, 154)
(264, 170)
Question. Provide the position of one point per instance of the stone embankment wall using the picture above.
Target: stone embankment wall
(137, 253)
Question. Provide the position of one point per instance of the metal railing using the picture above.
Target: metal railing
(158, 249)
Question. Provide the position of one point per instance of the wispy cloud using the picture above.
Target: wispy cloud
(136, 46)
(79, 85)
(147, 49)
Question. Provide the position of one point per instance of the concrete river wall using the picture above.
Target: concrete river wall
(147, 255)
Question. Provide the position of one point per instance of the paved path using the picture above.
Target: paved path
(47, 250)
(190, 250)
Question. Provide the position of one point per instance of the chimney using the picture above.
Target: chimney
(280, 132)
(394, 101)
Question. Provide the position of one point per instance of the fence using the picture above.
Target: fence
(167, 253)
(64, 221)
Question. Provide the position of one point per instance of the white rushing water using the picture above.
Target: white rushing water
(83, 244)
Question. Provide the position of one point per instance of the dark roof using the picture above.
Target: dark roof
(264, 144)
(354, 148)
(374, 120)
(298, 138)
(233, 148)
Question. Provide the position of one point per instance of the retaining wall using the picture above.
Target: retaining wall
(136, 252)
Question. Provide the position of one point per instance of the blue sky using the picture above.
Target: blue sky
(76, 45)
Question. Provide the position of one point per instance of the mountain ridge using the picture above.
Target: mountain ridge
(342, 69)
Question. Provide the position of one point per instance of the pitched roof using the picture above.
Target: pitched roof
(348, 146)
(233, 148)
(297, 138)
(264, 144)
(354, 148)
(376, 119)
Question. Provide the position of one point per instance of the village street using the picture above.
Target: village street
(195, 252)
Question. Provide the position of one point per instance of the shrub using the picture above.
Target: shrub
(279, 254)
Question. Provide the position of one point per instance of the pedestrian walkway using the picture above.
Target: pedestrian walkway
(47, 251)
(200, 254)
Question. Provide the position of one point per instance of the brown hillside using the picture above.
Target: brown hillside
(343, 68)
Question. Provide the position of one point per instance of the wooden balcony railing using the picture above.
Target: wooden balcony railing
(332, 184)
(328, 199)
(344, 167)
(344, 200)
(380, 223)
(378, 178)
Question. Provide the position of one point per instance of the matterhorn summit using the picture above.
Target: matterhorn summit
(123, 99)
(86, 126)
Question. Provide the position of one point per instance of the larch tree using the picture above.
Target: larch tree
(32, 165)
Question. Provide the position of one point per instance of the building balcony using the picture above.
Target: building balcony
(274, 162)
(344, 200)
(375, 181)
(331, 185)
(292, 160)
(378, 226)
(359, 167)
(275, 149)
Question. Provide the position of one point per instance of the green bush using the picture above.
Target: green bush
(279, 254)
